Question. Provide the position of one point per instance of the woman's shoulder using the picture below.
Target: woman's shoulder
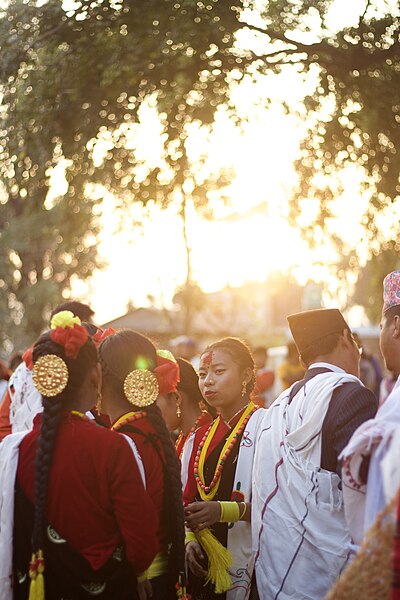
(93, 431)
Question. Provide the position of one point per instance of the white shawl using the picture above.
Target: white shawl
(300, 537)
(390, 468)
(372, 438)
(9, 449)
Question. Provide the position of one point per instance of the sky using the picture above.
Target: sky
(250, 238)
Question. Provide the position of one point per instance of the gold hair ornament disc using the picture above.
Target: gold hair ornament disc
(50, 375)
(141, 387)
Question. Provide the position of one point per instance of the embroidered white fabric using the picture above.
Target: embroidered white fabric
(300, 538)
(373, 438)
(25, 400)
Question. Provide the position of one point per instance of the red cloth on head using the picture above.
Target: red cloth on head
(72, 338)
(102, 334)
(167, 373)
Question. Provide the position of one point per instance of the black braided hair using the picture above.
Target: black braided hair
(120, 354)
(52, 410)
(240, 353)
(173, 511)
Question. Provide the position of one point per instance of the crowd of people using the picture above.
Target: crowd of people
(126, 472)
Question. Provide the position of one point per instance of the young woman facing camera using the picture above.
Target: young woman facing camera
(217, 495)
(134, 375)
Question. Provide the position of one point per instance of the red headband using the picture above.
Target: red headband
(102, 334)
(167, 373)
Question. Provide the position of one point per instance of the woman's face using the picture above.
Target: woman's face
(220, 378)
(168, 405)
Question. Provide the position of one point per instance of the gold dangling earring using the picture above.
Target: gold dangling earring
(244, 389)
(98, 403)
(178, 410)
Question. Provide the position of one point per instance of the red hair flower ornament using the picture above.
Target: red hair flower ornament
(68, 332)
(167, 372)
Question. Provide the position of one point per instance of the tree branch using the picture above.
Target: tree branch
(361, 21)
(277, 52)
(275, 35)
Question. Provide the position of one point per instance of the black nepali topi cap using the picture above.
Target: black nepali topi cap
(312, 325)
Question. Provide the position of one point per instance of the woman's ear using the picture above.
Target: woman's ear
(247, 374)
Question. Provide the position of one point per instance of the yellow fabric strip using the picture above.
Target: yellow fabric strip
(190, 537)
(220, 561)
(230, 512)
(244, 510)
(158, 567)
(203, 454)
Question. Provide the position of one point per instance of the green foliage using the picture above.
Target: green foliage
(369, 285)
(359, 76)
(354, 119)
(69, 79)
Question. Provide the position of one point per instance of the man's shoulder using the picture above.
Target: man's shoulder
(354, 389)
(352, 400)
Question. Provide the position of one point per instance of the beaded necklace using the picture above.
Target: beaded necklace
(180, 442)
(128, 418)
(207, 492)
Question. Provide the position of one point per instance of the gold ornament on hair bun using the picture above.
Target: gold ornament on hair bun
(50, 375)
(141, 387)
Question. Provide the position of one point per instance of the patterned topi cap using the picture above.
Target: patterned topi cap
(391, 290)
(311, 325)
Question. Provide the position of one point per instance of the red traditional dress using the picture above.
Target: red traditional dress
(142, 432)
(100, 518)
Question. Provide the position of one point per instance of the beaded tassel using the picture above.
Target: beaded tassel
(32, 576)
(36, 570)
(181, 590)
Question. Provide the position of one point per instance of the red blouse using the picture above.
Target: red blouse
(95, 498)
(153, 468)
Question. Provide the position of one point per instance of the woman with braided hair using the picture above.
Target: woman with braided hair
(135, 374)
(217, 495)
(79, 495)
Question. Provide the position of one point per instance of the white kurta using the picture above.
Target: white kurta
(9, 449)
(372, 439)
(300, 538)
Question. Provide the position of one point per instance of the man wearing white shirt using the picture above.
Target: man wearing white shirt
(368, 447)
(299, 533)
